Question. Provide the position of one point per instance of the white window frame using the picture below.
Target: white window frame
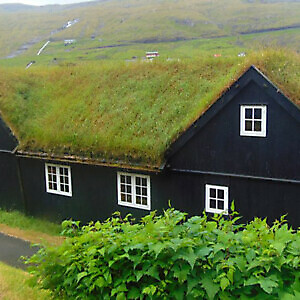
(208, 187)
(133, 191)
(58, 191)
(263, 120)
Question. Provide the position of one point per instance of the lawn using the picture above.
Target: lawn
(14, 285)
(28, 228)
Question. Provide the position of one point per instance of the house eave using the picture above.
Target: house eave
(88, 161)
(242, 176)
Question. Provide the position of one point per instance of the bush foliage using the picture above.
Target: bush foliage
(172, 257)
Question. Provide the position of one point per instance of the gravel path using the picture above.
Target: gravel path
(12, 248)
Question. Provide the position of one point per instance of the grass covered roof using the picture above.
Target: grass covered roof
(125, 112)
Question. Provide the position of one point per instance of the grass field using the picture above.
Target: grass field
(140, 26)
(14, 285)
(29, 228)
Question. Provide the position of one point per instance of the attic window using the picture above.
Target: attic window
(253, 120)
(216, 199)
(58, 179)
(134, 190)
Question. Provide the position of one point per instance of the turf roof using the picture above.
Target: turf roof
(120, 112)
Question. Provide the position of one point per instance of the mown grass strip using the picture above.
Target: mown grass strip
(14, 285)
(28, 228)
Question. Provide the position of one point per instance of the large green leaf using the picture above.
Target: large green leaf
(181, 271)
(149, 290)
(178, 293)
(133, 293)
(224, 283)
(267, 284)
(192, 282)
(203, 252)
(210, 287)
(81, 275)
(100, 282)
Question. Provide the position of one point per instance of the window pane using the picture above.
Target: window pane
(50, 186)
(248, 125)
(212, 203)
(49, 169)
(129, 189)
(144, 181)
(257, 125)
(54, 178)
(62, 187)
(138, 190)
(248, 113)
(128, 179)
(122, 178)
(55, 186)
(67, 180)
(129, 198)
(213, 193)
(122, 188)
(144, 201)
(123, 197)
(66, 171)
(220, 204)
(138, 200)
(61, 178)
(257, 113)
(61, 170)
(220, 194)
(144, 191)
(67, 188)
(138, 180)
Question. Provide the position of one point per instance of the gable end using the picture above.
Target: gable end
(252, 74)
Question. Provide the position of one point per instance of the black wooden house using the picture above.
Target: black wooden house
(245, 147)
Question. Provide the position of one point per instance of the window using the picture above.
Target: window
(134, 190)
(253, 120)
(216, 199)
(58, 179)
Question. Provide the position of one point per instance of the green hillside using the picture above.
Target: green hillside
(131, 27)
(125, 112)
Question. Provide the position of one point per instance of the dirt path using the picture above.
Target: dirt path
(12, 248)
(32, 236)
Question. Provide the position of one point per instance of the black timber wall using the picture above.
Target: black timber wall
(95, 194)
(218, 146)
(262, 173)
(10, 191)
(94, 190)
(10, 188)
(252, 197)
(8, 142)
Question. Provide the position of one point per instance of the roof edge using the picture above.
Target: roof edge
(204, 117)
(88, 161)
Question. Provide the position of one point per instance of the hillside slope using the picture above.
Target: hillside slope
(141, 21)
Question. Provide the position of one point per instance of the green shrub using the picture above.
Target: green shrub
(172, 257)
